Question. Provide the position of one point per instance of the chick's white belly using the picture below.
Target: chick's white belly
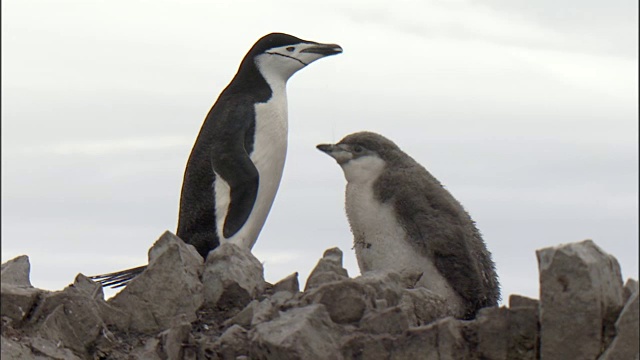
(381, 243)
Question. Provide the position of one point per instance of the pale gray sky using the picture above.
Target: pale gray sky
(526, 111)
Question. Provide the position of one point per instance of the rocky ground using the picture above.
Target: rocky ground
(182, 308)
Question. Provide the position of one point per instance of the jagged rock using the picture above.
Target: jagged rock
(174, 342)
(625, 344)
(580, 295)
(33, 349)
(244, 317)
(17, 296)
(167, 291)
(386, 321)
(522, 301)
(499, 333)
(16, 271)
(630, 287)
(492, 333)
(328, 269)
(232, 277)
(264, 311)
(148, 351)
(16, 302)
(384, 285)
(290, 284)
(440, 340)
(423, 306)
(361, 346)
(302, 333)
(345, 300)
(524, 339)
(73, 317)
(232, 343)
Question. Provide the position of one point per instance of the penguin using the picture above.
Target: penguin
(404, 220)
(234, 169)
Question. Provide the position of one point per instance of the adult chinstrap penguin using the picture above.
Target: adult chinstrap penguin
(404, 220)
(236, 163)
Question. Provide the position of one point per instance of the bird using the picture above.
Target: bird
(404, 220)
(235, 166)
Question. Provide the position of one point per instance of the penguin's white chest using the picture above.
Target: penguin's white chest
(268, 156)
(379, 240)
(381, 243)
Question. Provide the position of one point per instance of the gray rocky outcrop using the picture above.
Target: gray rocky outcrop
(168, 292)
(232, 277)
(581, 295)
(180, 308)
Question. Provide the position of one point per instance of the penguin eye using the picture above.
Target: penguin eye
(357, 149)
(290, 49)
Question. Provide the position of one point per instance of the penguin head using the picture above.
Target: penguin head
(278, 55)
(362, 155)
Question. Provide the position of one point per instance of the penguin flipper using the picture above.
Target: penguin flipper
(233, 164)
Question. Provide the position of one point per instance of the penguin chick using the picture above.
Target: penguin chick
(235, 166)
(404, 220)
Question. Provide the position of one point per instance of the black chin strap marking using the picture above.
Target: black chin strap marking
(287, 56)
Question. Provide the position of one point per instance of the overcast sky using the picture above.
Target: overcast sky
(526, 111)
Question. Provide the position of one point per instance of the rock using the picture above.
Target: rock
(440, 340)
(16, 302)
(522, 301)
(72, 318)
(12, 349)
(384, 285)
(423, 306)
(630, 287)
(302, 333)
(174, 342)
(386, 321)
(345, 300)
(264, 311)
(359, 346)
(328, 269)
(244, 317)
(524, 339)
(290, 284)
(168, 291)
(625, 344)
(16, 272)
(502, 333)
(148, 351)
(232, 277)
(232, 343)
(492, 333)
(580, 295)
(46, 349)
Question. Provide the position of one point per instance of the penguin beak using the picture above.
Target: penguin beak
(322, 49)
(338, 152)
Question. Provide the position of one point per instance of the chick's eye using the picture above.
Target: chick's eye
(357, 149)
(290, 49)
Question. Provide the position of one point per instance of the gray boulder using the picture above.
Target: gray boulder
(581, 295)
(17, 296)
(385, 321)
(16, 271)
(441, 340)
(625, 344)
(168, 292)
(345, 300)
(232, 277)
(328, 269)
(423, 306)
(302, 333)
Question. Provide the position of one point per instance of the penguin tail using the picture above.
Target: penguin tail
(119, 278)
